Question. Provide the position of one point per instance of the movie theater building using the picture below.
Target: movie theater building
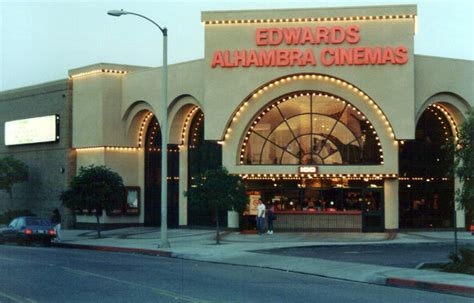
(327, 113)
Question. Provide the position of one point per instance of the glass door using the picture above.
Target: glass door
(372, 210)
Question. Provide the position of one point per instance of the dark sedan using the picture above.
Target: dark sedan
(25, 230)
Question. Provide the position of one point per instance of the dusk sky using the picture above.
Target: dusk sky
(41, 40)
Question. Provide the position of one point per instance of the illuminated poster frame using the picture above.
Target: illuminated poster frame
(32, 131)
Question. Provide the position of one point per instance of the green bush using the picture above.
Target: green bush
(9, 215)
(462, 263)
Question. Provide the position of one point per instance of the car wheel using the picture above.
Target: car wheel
(47, 242)
(19, 241)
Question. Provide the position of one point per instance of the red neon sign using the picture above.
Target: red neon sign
(305, 56)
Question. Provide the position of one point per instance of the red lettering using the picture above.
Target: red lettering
(322, 33)
(338, 35)
(352, 36)
(292, 35)
(266, 58)
(282, 57)
(324, 60)
(295, 57)
(275, 36)
(261, 36)
(401, 55)
(217, 59)
(252, 58)
(308, 57)
(307, 36)
(359, 55)
(239, 58)
(344, 56)
(227, 59)
(388, 55)
(373, 56)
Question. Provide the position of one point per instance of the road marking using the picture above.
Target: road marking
(16, 298)
(160, 291)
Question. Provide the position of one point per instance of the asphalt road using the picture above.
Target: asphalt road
(397, 255)
(39, 274)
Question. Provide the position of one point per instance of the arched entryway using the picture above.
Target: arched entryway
(426, 183)
(202, 155)
(153, 178)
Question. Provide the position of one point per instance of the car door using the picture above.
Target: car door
(9, 233)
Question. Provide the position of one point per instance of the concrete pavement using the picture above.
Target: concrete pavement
(240, 249)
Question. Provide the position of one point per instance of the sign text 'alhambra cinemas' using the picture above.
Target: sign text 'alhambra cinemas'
(340, 49)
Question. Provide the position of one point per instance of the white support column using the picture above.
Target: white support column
(460, 214)
(183, 185)
(391, 209)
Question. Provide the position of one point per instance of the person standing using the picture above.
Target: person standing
(260, 217)
(270, 217)
(56, 222)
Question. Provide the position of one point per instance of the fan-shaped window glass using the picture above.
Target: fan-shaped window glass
(310, 128)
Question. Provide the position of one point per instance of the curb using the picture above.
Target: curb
(148, 252)
(430, 286)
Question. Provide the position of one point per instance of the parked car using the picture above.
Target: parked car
(26, 230)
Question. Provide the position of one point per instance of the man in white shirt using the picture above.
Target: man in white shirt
(260, 217)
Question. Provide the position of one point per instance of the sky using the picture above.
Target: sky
(41, 40)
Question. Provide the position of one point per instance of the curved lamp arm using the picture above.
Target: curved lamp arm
(118, 13)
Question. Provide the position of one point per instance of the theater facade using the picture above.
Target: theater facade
(327, 113)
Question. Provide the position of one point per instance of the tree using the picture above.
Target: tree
(95, 188)
(219, 190)
(464, 163)
(12, 171)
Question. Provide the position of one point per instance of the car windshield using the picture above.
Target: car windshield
(36, 222)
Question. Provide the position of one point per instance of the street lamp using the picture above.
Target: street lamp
(164, 127)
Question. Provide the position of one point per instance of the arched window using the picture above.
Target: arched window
(310, 128)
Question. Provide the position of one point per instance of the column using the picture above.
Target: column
(391, 208)
(183, 185)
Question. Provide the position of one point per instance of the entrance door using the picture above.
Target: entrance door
(372, 210)
(152, 206)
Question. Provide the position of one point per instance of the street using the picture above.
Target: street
(40, 274)
(397, 255)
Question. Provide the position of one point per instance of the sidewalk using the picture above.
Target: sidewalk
(238, 249)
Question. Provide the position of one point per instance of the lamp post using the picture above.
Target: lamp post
(164, 129)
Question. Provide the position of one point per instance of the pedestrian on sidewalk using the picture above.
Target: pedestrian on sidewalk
(260, 217)
(56, 222)
(270, 217)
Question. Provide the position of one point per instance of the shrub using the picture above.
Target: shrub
(462, 263)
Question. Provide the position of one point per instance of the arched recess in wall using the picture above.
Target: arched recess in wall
(135, 118)
(200, 155)
(180, 113)
(317, 93)
(310, 128)
(426, 182)
(144, 131)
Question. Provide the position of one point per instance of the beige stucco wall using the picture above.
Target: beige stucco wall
(128, 164)
(184, 79)
(444, 80)
(391, 86)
